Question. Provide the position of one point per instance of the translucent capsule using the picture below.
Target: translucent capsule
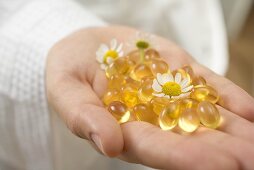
(144, 112)
(145, 91)
(140, 71)
(111, 95)
(129, 95)
(188, 70)
(169, 116)
(120, 66)
(134, 56)
(186, 103)
(189, 120)
(116, 81)
(158, 66)
(208, 114)
(119, 110)
(159, 103)
(198, 81)
(151, 54)
(202, 93)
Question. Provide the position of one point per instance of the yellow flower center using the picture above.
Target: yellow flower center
(171, 89)
(141, 44)
(110, 53)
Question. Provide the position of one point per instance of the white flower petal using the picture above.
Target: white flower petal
(113, 44)
(104, 48)
(184, 83)
(167, 78)
(159, 94)
(119, 48)
(103, 66)
(186, 89)
(159, 78)
(120, 54)
(110, 60)
(156, 86)
(178, 78)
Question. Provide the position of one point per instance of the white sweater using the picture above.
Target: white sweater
(28, 28)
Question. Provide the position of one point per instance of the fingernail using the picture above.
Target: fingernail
(97, 141)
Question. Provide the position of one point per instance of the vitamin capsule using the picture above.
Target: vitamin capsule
(134, 56)
(158, 66)
(111, 95)
(119, 66)
(189, 70)
(129, 96)
(145, 91)
(169, 116)
(199, 80)
(119, 110)
(151, 54)
(140, 71)
(208, 114)
(189, 120)
(159, 103)
(201, 93)
(116, 81)
(144, 112)
(186, 103)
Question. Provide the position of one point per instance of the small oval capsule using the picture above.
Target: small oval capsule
(158, 66)
(120, 111)
(159, 103)
(116, 81)
(188, 69)
(202, 93)
(208, 114)
(145, 91)
(169, 116)
(119, 66)
(144, 112)
(186, 103)
(140, 71)
(189, 120)
(151, 54)
(129, 95)
(111, 95)
(198, 81)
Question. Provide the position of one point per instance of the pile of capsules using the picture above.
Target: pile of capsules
(144, 89)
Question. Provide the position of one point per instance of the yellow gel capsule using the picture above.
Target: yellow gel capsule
(144, 112)
(189, 120)
(151, 54)
(159, 103)
(120, 111)
(145, 91)
(140, 71)
(119, 66)
(134, 56)
(158, 66)
(201, 93)
(111, 95)
(169, 116)
(208, 114)
(129, 96)
(186, 103)
(198, 81)
(189, 70)
(116, 81)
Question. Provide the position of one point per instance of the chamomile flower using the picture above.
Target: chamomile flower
(105, 55)
(141, 41)
(166, 85)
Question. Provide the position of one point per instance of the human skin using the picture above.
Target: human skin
(75, 84)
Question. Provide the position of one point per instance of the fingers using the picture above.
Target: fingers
(85, 116)
(233, 98)
(236, 125)
(148, 145)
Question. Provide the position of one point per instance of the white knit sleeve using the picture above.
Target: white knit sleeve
(25, 132)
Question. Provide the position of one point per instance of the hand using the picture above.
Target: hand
(75, 84)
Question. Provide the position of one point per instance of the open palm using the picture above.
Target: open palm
(75, 84)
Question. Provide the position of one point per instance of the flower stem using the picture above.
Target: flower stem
(142, 55)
